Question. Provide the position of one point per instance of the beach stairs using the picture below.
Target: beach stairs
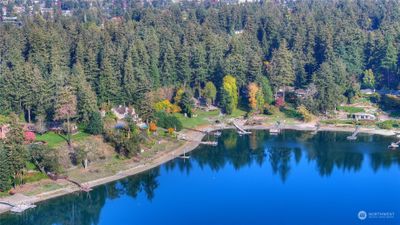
(354, 135)
(241, 131)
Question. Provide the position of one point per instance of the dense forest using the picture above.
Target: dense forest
(333, 47)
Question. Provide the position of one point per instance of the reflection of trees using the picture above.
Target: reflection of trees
(84, 208)
(230, 139)
(384, 159)
(329, 150)
(146, 181)
(279, 158)
(77, 208)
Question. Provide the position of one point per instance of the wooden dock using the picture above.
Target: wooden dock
(354, 135)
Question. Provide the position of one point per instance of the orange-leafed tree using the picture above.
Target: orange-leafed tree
(153, 127)
(252, 90)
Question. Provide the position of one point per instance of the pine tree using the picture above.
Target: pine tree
(95, 124)
(86, 98)
(108, 89)
(15, 150)
(199, 67)
(183, 65)
(281, 71)
(5, 174)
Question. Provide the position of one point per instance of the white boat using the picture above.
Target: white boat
(393, 145)
(274, 131)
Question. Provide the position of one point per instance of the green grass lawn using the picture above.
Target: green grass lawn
(351, 109)
(200, 118)
(53, 139)
(237, 113)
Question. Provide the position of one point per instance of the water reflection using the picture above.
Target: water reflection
(327, 152)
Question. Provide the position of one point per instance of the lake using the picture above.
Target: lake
(292, 178)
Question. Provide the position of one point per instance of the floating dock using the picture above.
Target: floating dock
(212, 143)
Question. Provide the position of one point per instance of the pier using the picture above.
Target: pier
(354, 135)
(394, 145)
(240, 129)
(276, 129)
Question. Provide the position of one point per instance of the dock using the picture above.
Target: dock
(212, 143)
(241, 131)
(276, 129)
(354, 135)
(394, 145)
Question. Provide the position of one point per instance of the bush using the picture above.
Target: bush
(166, 121)
(388, 124)
(270, 109)
(44, 158)
(305, 114)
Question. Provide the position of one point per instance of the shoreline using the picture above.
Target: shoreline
(163, 157)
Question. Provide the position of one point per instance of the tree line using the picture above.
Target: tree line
(335, 47)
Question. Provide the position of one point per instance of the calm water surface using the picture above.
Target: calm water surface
(293, 178)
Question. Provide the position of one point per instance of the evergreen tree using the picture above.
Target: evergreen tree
(5, 170)
(281, 71)
(183, 65)
(95, 124)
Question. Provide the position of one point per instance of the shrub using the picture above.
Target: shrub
(388, 124)
(305, 114)
(166, 121)
(44, 158)
(270, 109)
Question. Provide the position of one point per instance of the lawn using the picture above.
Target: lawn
(200, 118)
(53, 139)
(350, 109)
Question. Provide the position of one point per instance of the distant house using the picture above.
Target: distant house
(4, 129)
(123, 112)
(362, 116)
(367, 91)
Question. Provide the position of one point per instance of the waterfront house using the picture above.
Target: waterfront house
(362, 116)
(123, 112)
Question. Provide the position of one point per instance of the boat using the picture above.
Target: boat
(274, 131)
(217, 134)
(393, 145)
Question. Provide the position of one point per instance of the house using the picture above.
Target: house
(362, 116)
(367, 91)
(4, 129)
(122, 112)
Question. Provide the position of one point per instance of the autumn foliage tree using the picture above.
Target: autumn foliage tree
(252, 90)
(229, 94)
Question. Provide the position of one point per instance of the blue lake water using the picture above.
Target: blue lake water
(292, 178)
